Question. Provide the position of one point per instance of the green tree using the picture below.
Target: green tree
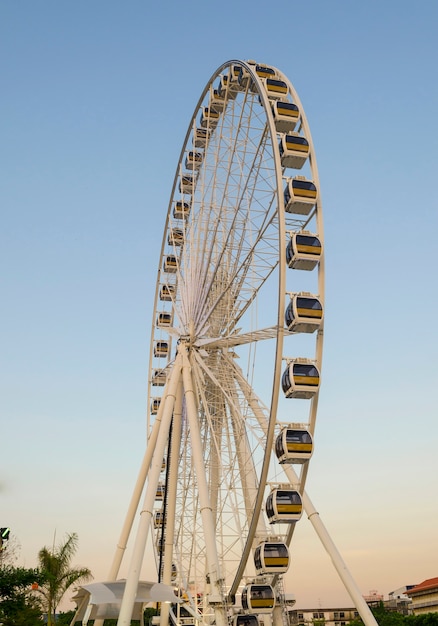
(59, 576)
(18, 605)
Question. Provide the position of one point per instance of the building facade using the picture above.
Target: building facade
(424, 597)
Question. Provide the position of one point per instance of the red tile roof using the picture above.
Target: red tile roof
(430, 583)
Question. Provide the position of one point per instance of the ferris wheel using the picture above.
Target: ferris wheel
(240, 276)
(236, 355)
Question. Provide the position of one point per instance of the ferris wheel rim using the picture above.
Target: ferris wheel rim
(278, 330)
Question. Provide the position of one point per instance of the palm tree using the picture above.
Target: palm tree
(55, 564)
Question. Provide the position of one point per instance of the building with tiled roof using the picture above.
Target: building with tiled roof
(425, 597)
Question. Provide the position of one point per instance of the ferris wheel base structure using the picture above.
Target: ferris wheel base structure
(235, 362)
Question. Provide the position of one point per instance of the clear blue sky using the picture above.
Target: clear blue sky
(95, 101)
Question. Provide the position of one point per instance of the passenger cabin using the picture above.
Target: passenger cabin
(293, 445)
(175, 237)
(209, 118)
(217, 100)
(158, 518)
(227, 89)
(303, 251)
(200, 137)
(300, 379)
(286, 115)
(159, 378)
(271, 558)
(167, 292)
(300, 195)
(284, 505)
(294, 150)
(159, 495)
(164, 319)
(161, 348)
(245, 620)
(265, 72)
(181, 210)
(303, 314)
(155, 405)
(245, 79)
(194, 160)
(170, 264)
(276, 89)
(187, 183)
(258, 598)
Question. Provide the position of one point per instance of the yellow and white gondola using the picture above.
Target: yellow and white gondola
(175, 237)
(167, 292)
(294, 150)
(303, 251)
(164, 319)
(284, 505)
(170, 264)
(158, 518)
(300, 379)
(187, 183)
(155, 405)
(200, 137)
(286, 116)
(161, 348)
(227, 88)
(209, 118)
(159, 494)
(300, 195)
(217, 100)
(294, 445)
(159, 378)
(304, 313)
(193, 160)
(181, 209)
(276, 89)
(271, 557)
(245, 620)
(258, 598)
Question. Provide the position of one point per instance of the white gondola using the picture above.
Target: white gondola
(294, 150)
(264, 71)
(245, 79)
(271, 557)
(161, 348)
(158, 518)
(167, 292)
(217, 100)
(300, 379)
(284, 505)
(159, 378)
(245, 620)
(209, 118)
(170, 264)
(155, 405)
(193, 160)
(181, 210)
(294, 445)
(286, 116)
(227, 88)
(258, 598)
(300, 195)
(187, 183)
(175, 237)
(200, 137)
(303, 251)
(276, 89)
(159, 494)
(304, 313)
(164, 319)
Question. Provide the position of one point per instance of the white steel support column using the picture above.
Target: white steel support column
(146, 513)
(205, 505)
(337, 560)
(169, 518)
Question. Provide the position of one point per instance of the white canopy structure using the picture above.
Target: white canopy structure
(103, 600)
